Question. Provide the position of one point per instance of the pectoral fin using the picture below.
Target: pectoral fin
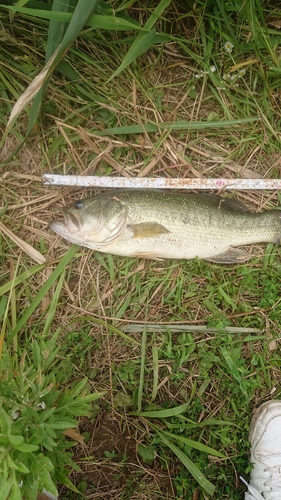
(231, 256)
(147, 229)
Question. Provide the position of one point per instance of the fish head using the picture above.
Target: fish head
(93, 222)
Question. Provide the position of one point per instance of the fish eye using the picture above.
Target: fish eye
(78, 205)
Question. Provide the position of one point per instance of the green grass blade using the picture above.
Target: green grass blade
(57, 27)
(227, 298)
(60, 17)
(170, 412)
(21, 3)
(107, 325)
(155, 371)
(80, 17)
(36, 90)
(180, 125)
(112, 23)
(142, 43)
(82, 12)
(45, 288)
(156, 14)
(53, 305)
(221, 5)
(141, 380)
(144, 40)
(3, 303)
(194, 444)
(233, 369)
(20, 279)
(205, 484)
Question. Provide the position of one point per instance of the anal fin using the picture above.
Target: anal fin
(146, 255)
(231, 256)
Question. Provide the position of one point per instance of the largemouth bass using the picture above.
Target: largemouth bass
(160, 224)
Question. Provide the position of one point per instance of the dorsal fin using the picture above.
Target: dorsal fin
(234, 204)
(229, 203)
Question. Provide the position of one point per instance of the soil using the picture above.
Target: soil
(110, 465)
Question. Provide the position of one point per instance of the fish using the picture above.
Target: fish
(158, 224)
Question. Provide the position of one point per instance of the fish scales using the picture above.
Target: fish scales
(159, 224)
(197, 228)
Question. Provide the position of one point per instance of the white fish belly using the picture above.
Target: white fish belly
(178, 245)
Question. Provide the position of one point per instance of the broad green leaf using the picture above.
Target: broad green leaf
(26, 448)
(5, 487)
(21, 467)
(47, 414)
(15, 493)
(10, 462)
(4, 440)
(147, 453)
(79, 387)
(156, 14)
(15, 440)
(64, 424)
(5, 423)
(50, 485)
(66, 481)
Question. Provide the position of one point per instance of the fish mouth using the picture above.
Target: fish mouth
(71, 222)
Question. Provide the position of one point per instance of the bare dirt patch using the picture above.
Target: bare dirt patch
(111, 467)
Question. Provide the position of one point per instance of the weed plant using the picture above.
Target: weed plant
(38, 407)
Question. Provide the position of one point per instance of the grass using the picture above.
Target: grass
(170, 357)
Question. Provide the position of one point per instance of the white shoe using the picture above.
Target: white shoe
(265, 439)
